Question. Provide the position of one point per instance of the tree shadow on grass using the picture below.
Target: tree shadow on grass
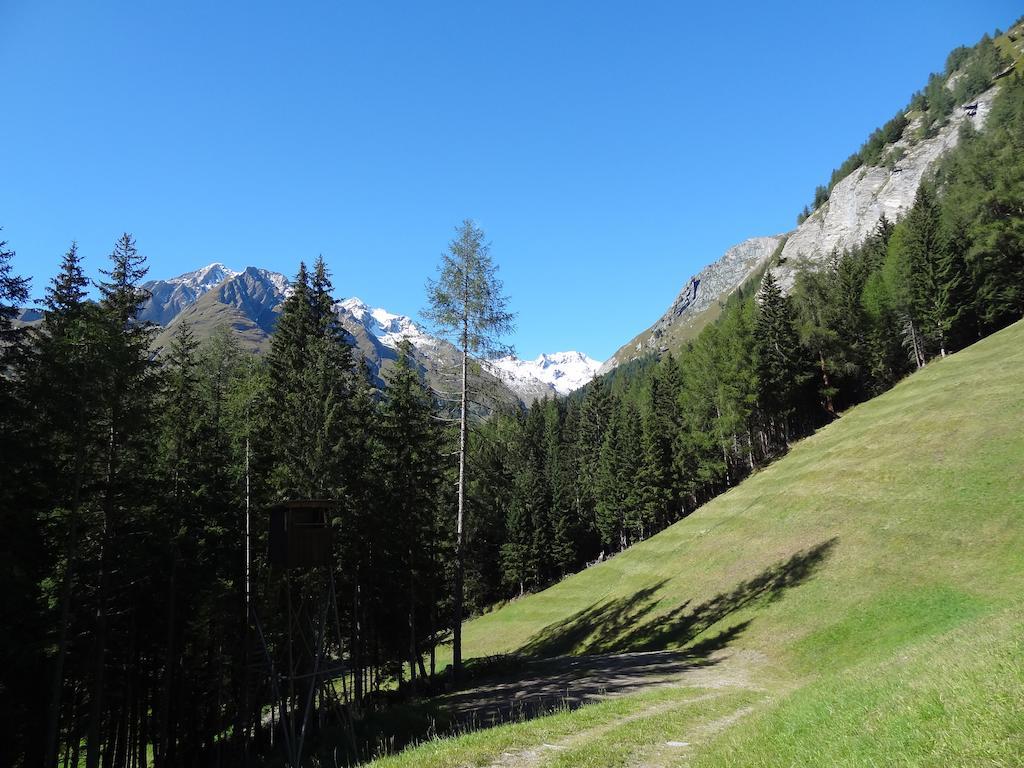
(620, 645)
(631, 624)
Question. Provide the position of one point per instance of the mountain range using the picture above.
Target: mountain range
(249, 302)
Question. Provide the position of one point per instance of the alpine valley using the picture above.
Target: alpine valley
(783, 525)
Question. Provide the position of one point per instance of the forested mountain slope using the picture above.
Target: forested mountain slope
(879, 179)
(840, 580)
(645, 445)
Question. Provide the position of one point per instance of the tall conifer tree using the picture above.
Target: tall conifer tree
(467, 304)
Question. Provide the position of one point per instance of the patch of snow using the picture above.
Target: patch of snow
(203, 279)
(559, 372)
(388, 328)
(281, 283)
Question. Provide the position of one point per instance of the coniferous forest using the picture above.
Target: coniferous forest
(143, 623)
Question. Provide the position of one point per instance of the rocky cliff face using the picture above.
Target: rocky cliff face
(248, 302)
(698, 301)
(851, 213)
(858, 201)
(167, 298)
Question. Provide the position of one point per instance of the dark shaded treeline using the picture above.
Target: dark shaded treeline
(126, 486)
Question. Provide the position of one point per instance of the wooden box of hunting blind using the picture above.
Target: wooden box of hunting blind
(300, 534)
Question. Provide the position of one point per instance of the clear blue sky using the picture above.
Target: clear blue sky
(608, 150)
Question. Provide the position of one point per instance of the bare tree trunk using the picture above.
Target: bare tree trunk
(423, 671)
(92, 751)
(70, 551)
(164, 736)
(241, 727)
(433, 630)
(76, 737)
(356, 650)
(144, 723)
(459, 565)
(829, 405)
(412, 624)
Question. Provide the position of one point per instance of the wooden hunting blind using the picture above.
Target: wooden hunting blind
(300, 534)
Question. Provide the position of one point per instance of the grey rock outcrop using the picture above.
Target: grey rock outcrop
(845, 220)
(701, 292)
(858, 201)
(167, 298)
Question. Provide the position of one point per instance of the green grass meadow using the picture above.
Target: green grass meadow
(871, 584)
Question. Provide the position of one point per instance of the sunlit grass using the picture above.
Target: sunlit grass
(900, 646)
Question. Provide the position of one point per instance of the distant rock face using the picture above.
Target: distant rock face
(167, 298)
(248, 302)
(851, 214)
(717, 280)
(256, 293)
(377, 333)
(858, 201)
(701, 292)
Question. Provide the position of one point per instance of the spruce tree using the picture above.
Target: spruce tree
(621, 516)
(594, 420)
(288, 363)
(661, 423)
(410, 472)
(564, 534)
(935, 271)
(526, 528)
(64, 381)
(23, 553)
(813, 294)
(127, 399)
(13, 294)
(781, 368)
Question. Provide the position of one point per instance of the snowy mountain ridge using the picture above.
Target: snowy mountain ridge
(557, 373)
(204, 278)
(386, 327)
(255, 297)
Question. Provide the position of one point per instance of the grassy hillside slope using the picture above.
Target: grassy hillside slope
(870, 583)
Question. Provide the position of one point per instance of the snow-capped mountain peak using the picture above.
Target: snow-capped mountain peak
(205, 278)
(558, 372)
(167, 298)
(386, 327)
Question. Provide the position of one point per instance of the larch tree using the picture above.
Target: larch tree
(467, 305)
